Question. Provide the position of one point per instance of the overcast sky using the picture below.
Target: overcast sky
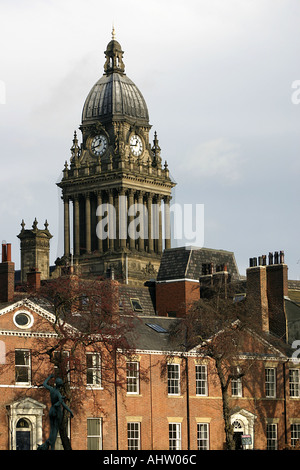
(217, 77)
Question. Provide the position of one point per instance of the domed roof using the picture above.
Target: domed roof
(114, 95)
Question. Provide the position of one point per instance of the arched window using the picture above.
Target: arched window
(23, 423)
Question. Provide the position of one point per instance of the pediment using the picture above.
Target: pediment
(26, 404)
(25, 317)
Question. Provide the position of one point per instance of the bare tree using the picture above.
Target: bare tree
(87, 320)
(216, 327)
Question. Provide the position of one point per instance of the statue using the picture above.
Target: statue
(55, 413)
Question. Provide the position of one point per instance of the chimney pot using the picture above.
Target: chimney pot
(8, 252)
(4, 254)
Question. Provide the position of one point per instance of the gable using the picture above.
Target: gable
(259, 346)
(24, 318)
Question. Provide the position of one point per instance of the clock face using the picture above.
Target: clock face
(136, 145)
(99, 145)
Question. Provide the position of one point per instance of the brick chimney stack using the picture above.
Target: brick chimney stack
(277, 288)
(7, 275)
(257, 292)
(267, 285)
(34, 279)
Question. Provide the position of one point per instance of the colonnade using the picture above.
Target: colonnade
(114, 219)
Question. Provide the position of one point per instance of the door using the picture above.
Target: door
(23, 440)
(237, 436)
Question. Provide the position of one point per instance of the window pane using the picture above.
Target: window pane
(93, 426)
(21, 357)
(133, 436)
(94, 434)
(272, 437)
(201, 380)
(294, 382)
(174, 436)
(173, 379)
(270, 378)
(22, 362)
(132, 373)
(202, 436)
(93, 372)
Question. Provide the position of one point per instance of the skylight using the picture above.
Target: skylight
(157, 328)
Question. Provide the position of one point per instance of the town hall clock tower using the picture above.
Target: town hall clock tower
(115, 189)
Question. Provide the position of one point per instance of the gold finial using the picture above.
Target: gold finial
(113, 34)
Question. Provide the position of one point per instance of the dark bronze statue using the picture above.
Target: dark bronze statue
(55, 413)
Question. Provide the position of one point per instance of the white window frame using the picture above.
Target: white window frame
(295, 433)
(201, 380)
(202, 440)
(236, 385)
(174, 436)
(133, 378)
(24, 366)
(272, 442)
(133, 440)
(173, 378)
(98, 437)
(294, 383)
(270, 382)
(95, 370)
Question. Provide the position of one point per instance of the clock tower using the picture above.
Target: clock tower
(115, 191)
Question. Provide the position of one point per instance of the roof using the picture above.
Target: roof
(188, 262)
(145, 296)
(146, 337)
(115, 95)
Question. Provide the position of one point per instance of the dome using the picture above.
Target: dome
(115, 95)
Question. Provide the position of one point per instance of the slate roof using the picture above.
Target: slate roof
(144, 294)
(187, 263)
(147, 338)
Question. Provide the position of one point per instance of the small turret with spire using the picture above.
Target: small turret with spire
(156, 152)
(114, 57)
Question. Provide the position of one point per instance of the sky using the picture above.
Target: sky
(220, 78)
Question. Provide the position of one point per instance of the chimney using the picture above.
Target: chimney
(277, 290)
(34, 279)
(7, 274)
(267, 286)
(257, 292)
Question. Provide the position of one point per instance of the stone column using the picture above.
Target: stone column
(122, 217)
(76, 227)
(141, 242)
(159, 244)
(150, 228)
(66, 227)
(117, 227)
(87, 223)
(167, 223)
(111, 221)
(130, 220)
(99, 239)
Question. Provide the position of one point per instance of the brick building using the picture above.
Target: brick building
(170, 398)
(158, 394)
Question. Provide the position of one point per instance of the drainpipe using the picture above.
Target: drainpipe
(116, 403)
(187, 402)
(284, 402)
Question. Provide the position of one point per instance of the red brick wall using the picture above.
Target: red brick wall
(176, 296)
